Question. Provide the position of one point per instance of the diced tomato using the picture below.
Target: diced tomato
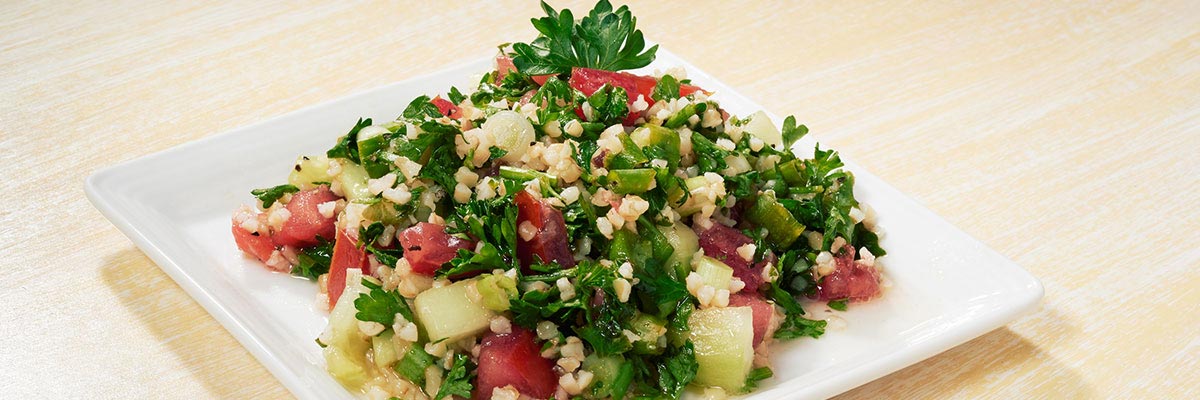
(589, 80)
(849, 280)
(550, 242)
(514, 359)
(446, 107)
(306, 223)
(721, 242)
(763, 311)
(505, 63)
(686, 89)
(258, 245)
(427, 246)
(346, 255)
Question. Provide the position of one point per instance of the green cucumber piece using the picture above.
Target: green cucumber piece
(496, 290)
(714, 273)
(346, 350)
(651, 332)
(782, 227)
(684, 244)
(724, 341)
(310, 170)
(354, 181)
(450, 312)
(612, 373)
(386, 350)
(631, 181)
(760, 126)
(690, 207)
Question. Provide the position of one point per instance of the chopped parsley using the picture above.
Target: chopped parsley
(378, 305)
(269, 196)
(458, 380)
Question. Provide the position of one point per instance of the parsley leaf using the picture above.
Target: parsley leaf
(709, 158)
(314, 261)
(270, 195)
(666, 88)
(839, 304)
(421, 107)
(380, 305)
(792, 132)
(458, 380)
(604, 39)
(756, 375)
(678, 370)
(795, 326)
(455, 96)
(492, 222)
(347, 145)
(609, 104)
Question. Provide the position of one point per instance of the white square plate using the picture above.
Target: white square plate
(176, 205)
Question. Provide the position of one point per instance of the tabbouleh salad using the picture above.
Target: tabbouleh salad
(566, 230)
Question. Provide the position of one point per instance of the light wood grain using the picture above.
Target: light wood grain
(1066, 135)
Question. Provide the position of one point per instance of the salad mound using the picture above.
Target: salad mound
(567, 230)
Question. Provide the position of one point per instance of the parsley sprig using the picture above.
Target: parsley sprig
(604, 39)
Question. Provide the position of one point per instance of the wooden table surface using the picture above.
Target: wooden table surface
(1066, 135)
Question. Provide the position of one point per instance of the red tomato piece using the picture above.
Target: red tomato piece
(763, 311)
(849, 280)
(505, 63)
(514, 359)
(306, 223)
(258, 245)
(550, 242)
(686, 89)
(721, 242)
(446, 107)
(589, 80)
(427, 246)
(346, 255)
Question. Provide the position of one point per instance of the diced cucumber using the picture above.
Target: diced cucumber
(385, 211)
(495, 291)
(627, 181)
(651, 332)
(354, 181)
(685, 242)
(760, 125)
(345, 345)
(451, 312)
(690, 206)
(782, 227)
(723, 338)
(713, 272)
(370, 140)
(512, 132)
(308, 171)
(386, 350)
(664, 141)
(611, 373)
